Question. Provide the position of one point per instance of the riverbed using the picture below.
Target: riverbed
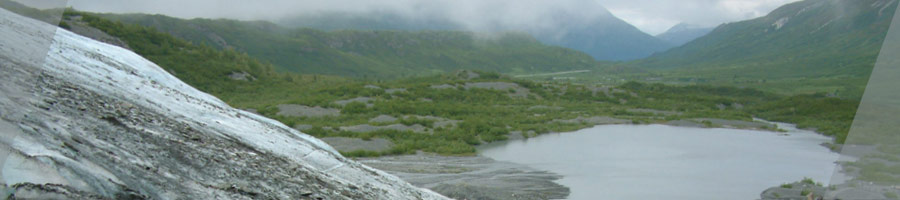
(670, 162)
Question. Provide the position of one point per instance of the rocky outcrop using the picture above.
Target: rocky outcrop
(472, 177)
(92, 120)
(294, 110)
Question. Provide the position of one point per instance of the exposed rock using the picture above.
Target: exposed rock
(251, 110)
(383, 119)
(516, 90)
(293, 110)
(473, 177)
(795, 191)
(592, 120)
(365, 128)
(241, 76)
(218, 40)
(438, 121)
(395, 90)
(515, 135)
(653, 111)
(781, 22)
(303, 127)
(850, 190)
(858, 193)
(94, 120)
(685, 123)
(372, 87)
(53, 191)
(467, 74)
(346, 144)
(734, 123)
(365, 100)
(492, 85)
(443, 86)
(80, 27)
(721, 106)
(543, 107)
(446, 124)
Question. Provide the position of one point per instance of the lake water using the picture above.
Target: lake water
(666, 162)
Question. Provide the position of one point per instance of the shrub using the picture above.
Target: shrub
(354, 108)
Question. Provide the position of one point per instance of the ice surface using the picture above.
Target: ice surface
(116, 73)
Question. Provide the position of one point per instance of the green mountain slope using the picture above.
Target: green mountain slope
(230, 75)
(603, 36)
(683, 33)
(823, 45)
(383, 54)
(457, 110)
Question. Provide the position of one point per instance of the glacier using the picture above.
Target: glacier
(81, 119)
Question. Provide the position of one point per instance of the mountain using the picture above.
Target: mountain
(96, 121)
(372, 20)
(683, 33)
(368, 53)
(599, 33)
(605, 37)
(807, 46)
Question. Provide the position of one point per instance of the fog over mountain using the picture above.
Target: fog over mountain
(597, 32)
(584, 25)
(651, 16)
(683, 33)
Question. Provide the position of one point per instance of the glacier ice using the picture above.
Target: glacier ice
(94, 120)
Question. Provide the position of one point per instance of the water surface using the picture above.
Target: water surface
(666, 162)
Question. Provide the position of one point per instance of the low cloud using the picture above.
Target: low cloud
(652, 16)
(656, 16)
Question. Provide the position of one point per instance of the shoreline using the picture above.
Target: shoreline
(471, 177)
(715, 123)
(480, 177)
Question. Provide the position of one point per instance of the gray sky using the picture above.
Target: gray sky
(651, 16)
(656, 16)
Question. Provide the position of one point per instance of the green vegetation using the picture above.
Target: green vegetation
(50, 15)
(891, 195)
(457, 110)
(201, 66)
(369, 54)
(873, 170)
(805, 47)
(810, 181)
(829, 116)
(805, 192)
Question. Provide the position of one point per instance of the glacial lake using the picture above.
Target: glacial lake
(667, 162)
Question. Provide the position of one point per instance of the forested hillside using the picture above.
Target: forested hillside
(451, 112)
(597, 33)
(370, 53)
(804, 47)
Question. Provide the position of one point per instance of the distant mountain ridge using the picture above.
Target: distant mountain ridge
(370, 53)
(95, 121)
(683, 33)
(605, 37)
(601, 34)
(829, 43)
(373, 20)
(799, 27)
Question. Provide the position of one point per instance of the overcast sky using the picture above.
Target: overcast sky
(651, 16)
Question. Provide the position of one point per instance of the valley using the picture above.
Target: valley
(428, 104)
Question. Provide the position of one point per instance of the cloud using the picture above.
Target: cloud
(652, 16)
(656, 16)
